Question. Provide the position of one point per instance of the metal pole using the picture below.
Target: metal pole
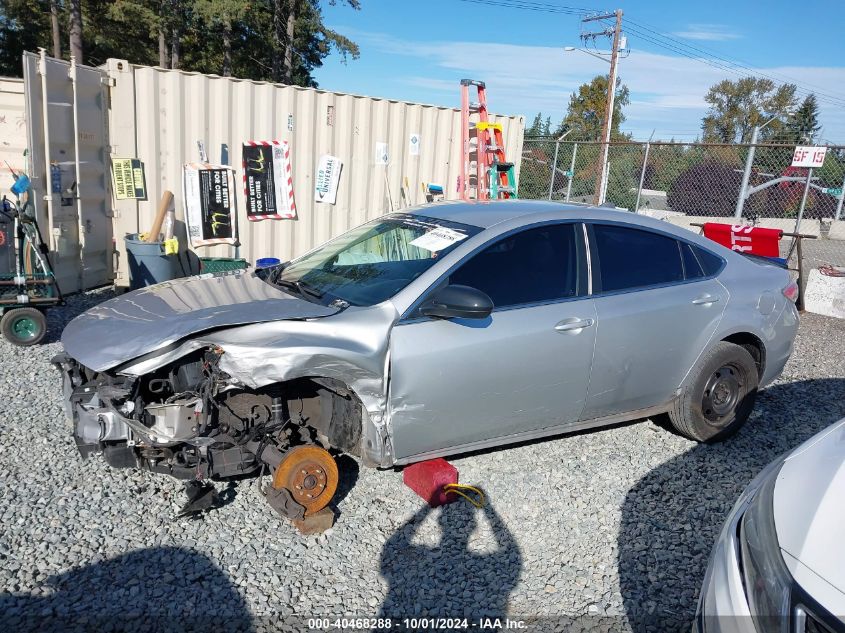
(48, 176)
(642, 177)
(839, 204)
(77, 192)
(608, 115)
(801, 210)
(571, 171)
(746, 175)
(554, 169)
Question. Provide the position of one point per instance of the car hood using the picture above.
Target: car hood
(148, 319)
(808, 508)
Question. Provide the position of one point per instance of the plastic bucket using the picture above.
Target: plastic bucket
(148, 264)
(266, 262)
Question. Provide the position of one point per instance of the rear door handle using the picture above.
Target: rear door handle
(568, 325)
(705, 300)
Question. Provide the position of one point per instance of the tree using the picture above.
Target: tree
(539, 127)
(54, 28)
(24, 26)
(803, 125)
(736, 107)
(75, 30)
(221, 16)
(585, 115)
(279, 40)
(709, 188)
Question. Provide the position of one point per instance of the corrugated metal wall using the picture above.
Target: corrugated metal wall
(12, 128)
(159, 115)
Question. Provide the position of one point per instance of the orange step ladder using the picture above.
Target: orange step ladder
(485, 173)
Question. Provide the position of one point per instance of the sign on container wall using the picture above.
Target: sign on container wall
(808, 156)
(210, 206)
(381, 157)
(268, 181)
(414, 144)
(128, 179)
(328, 179)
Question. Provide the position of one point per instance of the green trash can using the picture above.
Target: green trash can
(148, 264)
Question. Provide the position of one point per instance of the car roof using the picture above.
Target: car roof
(488, 213)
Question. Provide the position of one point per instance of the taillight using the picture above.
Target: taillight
(790, 291)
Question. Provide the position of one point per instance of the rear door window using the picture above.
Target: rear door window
(634, 258)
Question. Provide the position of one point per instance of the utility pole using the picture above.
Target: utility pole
(607, 125)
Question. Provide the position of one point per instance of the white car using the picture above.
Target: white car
(779, 563)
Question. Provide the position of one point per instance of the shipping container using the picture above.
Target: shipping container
(158, 116)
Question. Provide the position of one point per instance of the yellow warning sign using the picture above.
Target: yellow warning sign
(128, 179)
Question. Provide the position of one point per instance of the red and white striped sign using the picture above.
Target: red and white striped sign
(268, 181)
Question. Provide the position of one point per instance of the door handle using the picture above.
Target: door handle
(705, 300)
(569, 325)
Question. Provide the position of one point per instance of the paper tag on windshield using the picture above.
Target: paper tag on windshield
(438, 239)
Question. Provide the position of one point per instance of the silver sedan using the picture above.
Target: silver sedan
(442, 329)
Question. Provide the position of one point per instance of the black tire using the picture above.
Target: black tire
(718, 395)
(23, 326)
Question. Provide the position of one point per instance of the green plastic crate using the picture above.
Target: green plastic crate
(221, 264)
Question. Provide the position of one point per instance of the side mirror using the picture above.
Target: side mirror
(460, 302)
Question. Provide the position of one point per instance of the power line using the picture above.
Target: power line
(533, 6)
(731, 68)
(738, 63)
(657, 38)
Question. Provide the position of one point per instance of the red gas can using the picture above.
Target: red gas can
(428, 478)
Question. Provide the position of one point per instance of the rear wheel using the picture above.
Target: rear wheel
(24, 326)
(718, 396)
(310, 474)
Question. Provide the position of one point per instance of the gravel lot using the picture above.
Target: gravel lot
(606, 529)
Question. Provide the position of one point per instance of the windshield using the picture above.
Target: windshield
(372, 262)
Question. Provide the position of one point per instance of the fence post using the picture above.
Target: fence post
(797, 228)
(571, 171)
(554, 169)
(746, 175)
(839, 204)
(642, 176)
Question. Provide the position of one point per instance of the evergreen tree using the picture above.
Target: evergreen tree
(277, 40)
(803, 125)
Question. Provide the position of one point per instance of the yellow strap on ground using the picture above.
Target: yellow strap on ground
(458, 490)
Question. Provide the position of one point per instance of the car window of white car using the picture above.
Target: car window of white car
(533, 266)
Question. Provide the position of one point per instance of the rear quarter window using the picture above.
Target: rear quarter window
(710, 263)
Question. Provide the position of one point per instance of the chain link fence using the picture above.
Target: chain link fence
(687, 183)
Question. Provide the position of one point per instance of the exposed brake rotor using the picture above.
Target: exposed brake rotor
(310, 474)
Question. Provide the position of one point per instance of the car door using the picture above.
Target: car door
(459, 382)
(656, 309)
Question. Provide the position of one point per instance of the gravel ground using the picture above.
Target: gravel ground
(606, 529)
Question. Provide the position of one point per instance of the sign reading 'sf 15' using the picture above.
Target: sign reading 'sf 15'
(808, 156)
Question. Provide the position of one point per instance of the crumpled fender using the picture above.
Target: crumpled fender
(352, 346)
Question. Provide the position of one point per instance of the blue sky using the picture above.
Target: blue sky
(418, 51)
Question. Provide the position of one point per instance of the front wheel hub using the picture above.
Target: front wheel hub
(310, 474)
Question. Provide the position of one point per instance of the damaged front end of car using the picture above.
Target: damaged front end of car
(190, 419)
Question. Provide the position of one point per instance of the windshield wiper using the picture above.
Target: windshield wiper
(300, 286)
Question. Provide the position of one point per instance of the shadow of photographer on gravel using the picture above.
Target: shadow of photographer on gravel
(672, 516)
(154, 589)
(469, 573)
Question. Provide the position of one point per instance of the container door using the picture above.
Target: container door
(69, 167)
